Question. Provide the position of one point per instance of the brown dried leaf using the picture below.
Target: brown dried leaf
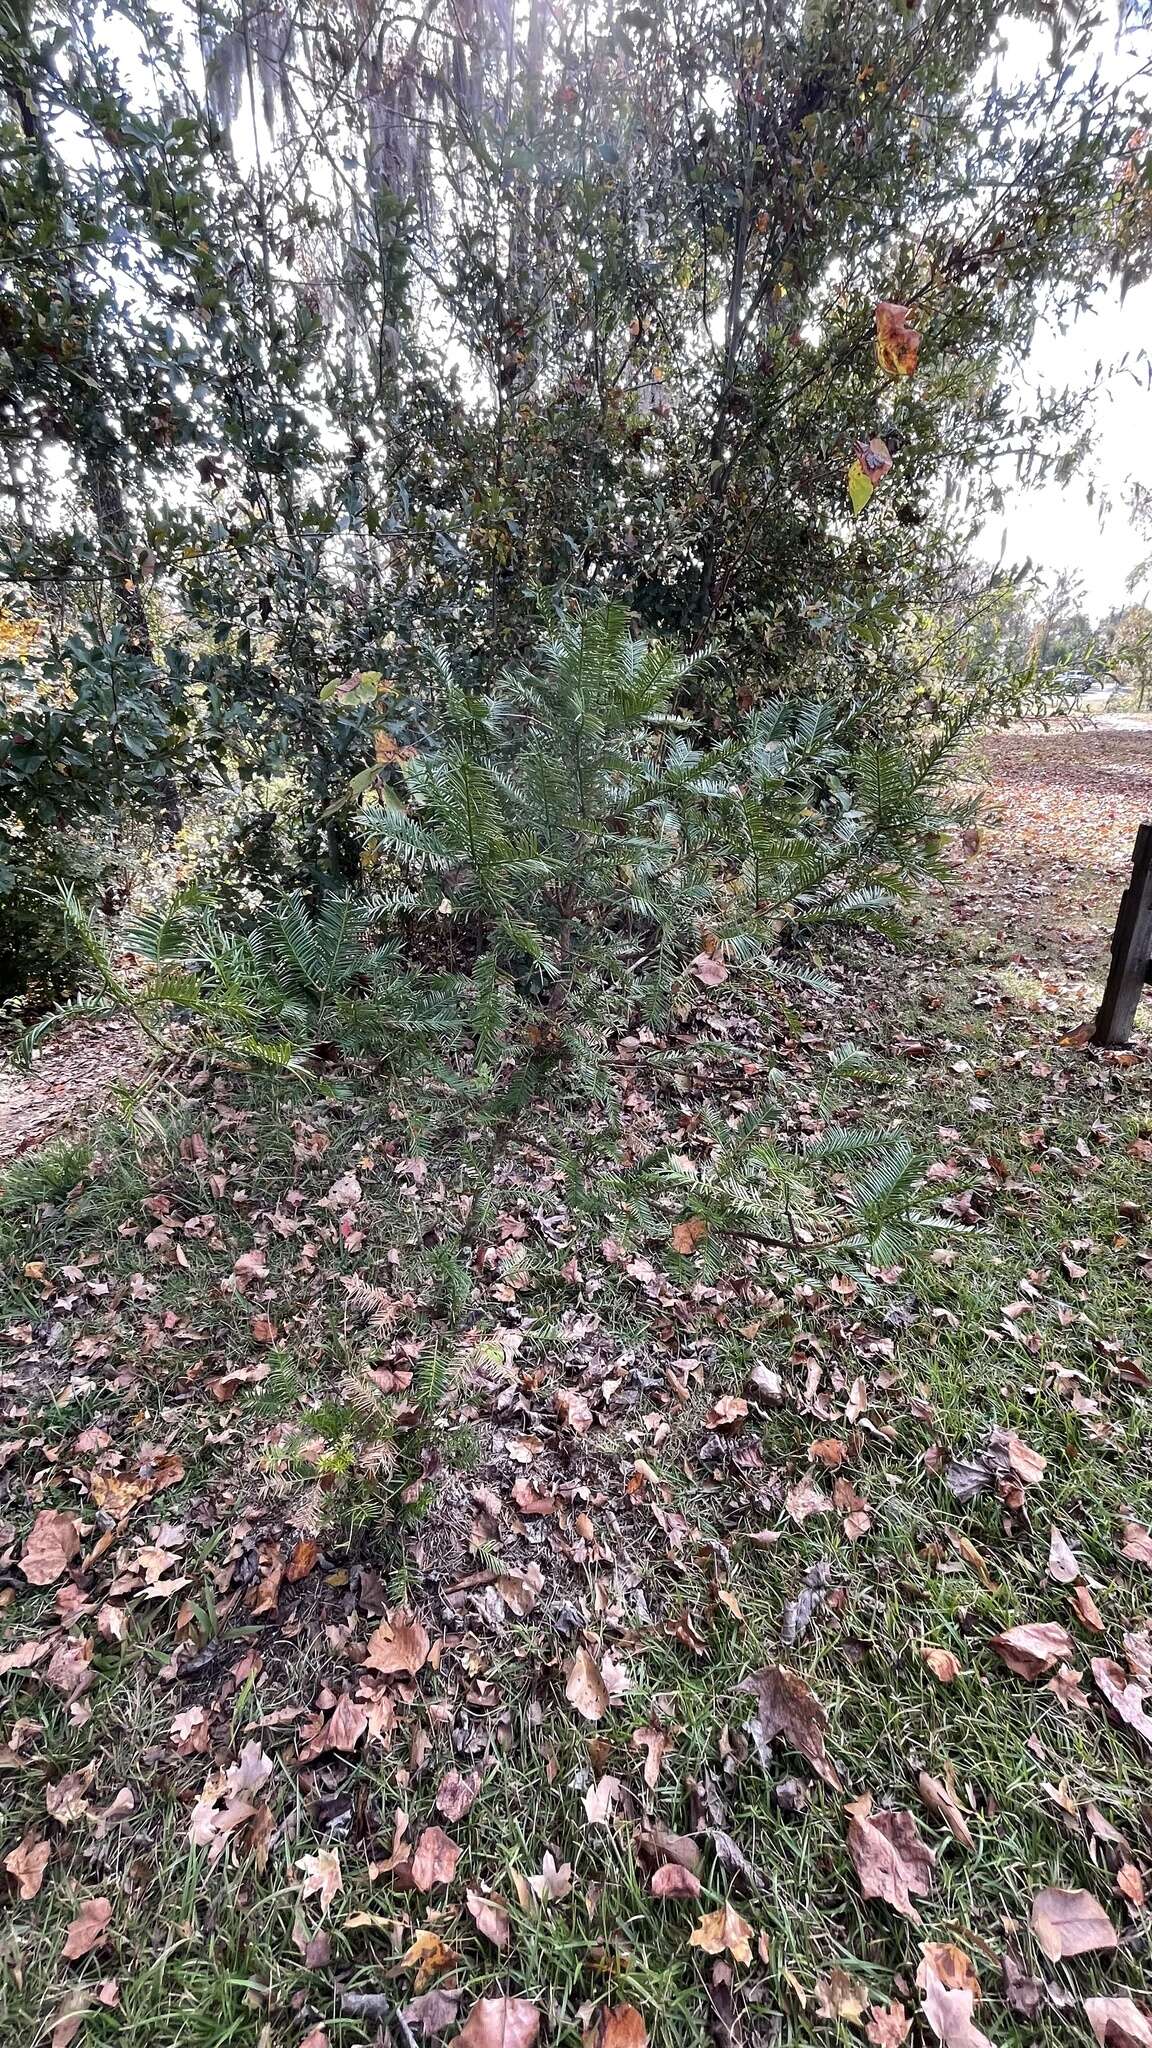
(616, 2026)
(1125, 1697)
(500, 2023)
(88, 1929)
(950, 1990)
(585, 1688)
(600, 1799)
(322, 1877)
(456, 1795)
(27, 1863)
(435, 1859)
(723, 1932)
(1070, 1923)
(399, 1644)
(1137, 1543)
(889, 2025)
(672, 1881)
(1118, 2023)
(1087, 1610)
(787, 1707)
(709, 970)
(687, 1234)
(941, 1663)
(1063, 1564)
(52, 1543)
(940, 1798)
(69, 2016)
(892, 1861)
(491, 1918)
(1031, 1650)
(841, 1997)
(574, 1410)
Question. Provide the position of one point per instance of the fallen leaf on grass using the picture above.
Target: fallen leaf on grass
(1118, 2023)
(600, 1799)
(69, 2016)
(1137, 1545)
(435, 1859)
(67, 1799)
(1087, 1610)
(432, 2011)
(87, 1929)
(950, 1967)
(491, 1918)
(788, 1708)
(551, 1883)
(457, 1795)
(941, 1663)
(841, 1997)
(616, 2026)
(723, 1931)
(500, 2023)
(949, 2014)
(1034, 1648)
(889, 2025)
(400, 1644)
(1070, 1923)
(52, 1543)
(429, 1956)
(1130, 1884)
(585, 1689)
(672, 1881)
(1125, 1697)
(892, 1861)
(1063, 1564)
(941, 1798)
(27, 1863)
(322, 1877)
(656, 1742)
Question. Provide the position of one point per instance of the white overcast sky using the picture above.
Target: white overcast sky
(1056, 526)
(1061, 528)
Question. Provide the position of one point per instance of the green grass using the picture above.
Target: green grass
(648, 1553)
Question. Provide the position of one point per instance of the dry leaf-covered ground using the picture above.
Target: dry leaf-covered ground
(743, 1654)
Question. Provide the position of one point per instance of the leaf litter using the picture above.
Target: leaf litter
(716, 1513)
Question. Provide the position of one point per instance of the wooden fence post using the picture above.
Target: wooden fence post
(1131, 950)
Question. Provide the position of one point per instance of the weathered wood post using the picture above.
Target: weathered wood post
(1131, 950)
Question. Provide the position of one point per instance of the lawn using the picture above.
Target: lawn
(383, 1638)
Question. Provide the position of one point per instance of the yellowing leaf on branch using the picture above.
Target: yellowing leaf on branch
(871, 463)
(897, 343)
